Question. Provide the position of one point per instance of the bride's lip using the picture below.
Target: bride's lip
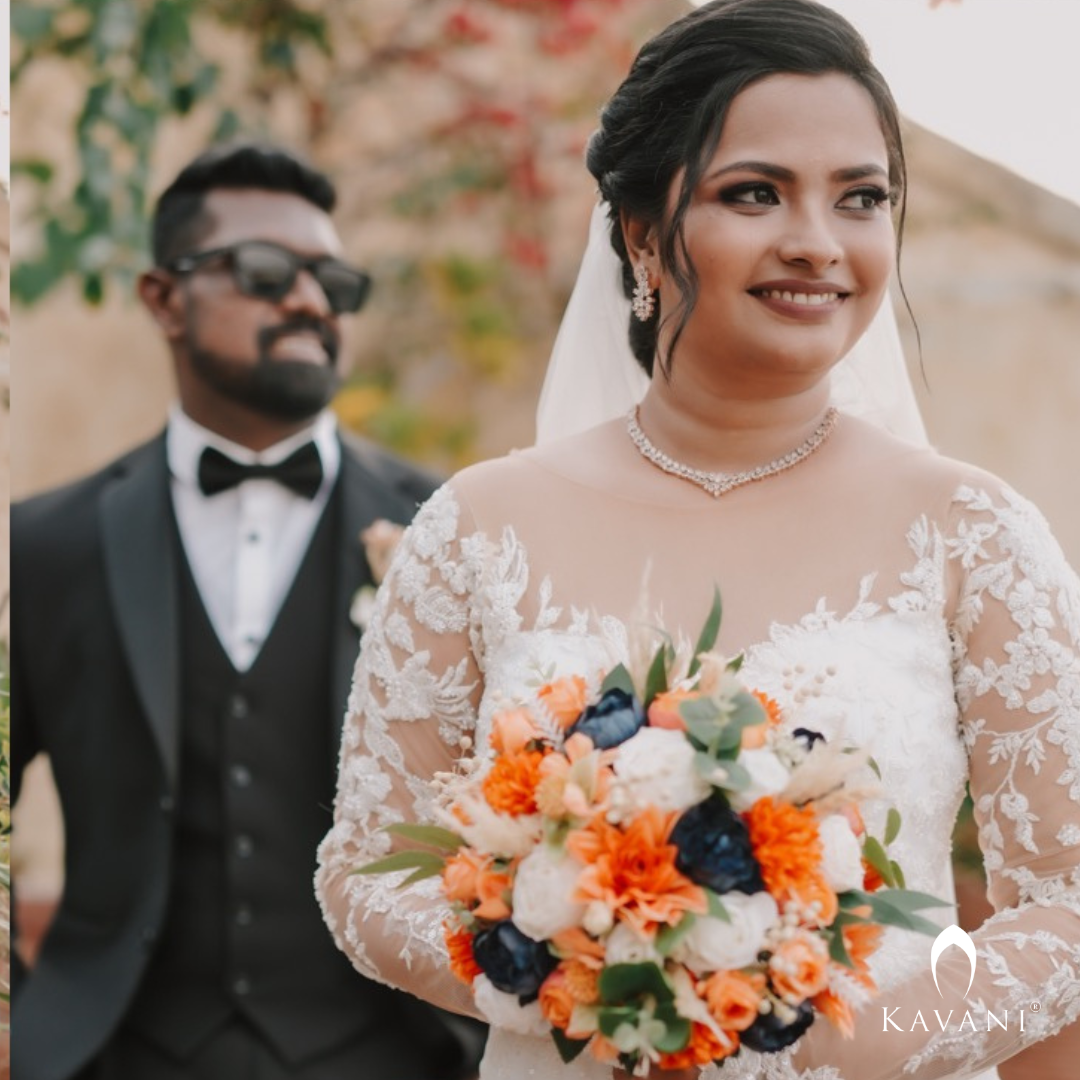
(801, 299)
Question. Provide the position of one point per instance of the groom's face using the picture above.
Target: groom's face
(278, 358)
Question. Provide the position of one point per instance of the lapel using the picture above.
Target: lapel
(363, 499)
(141, 575)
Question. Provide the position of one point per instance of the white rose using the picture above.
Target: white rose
(715, 945)
(841, 861)
(503, 1010)
(768, 776)
(543, 887)
(655, 768)
(625, 946)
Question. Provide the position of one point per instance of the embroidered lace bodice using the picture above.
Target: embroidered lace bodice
(915, 605)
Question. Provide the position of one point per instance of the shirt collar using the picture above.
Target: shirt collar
(185, 441)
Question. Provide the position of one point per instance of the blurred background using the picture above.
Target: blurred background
(455, 130)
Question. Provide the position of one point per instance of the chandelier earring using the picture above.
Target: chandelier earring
(644, 300)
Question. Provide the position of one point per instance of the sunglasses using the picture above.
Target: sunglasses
(268, 271)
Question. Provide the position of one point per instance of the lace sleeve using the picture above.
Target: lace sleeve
(1017, 664)
(411, 714)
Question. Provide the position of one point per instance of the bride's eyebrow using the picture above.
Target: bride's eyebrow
(779, 172)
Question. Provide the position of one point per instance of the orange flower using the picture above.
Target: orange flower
(470, 878)
(733, 998)
(837, 1011)
(664, 710)
(862, 940)
(704, 1046)
(786, 844)
(556, 1001)
(462, 961)
(817, 891)
(632, 870)
(574, 783)
(582, 981)
(576, 945)
(510, 786)
(799, 968)
(512, 730)
(872, 880)
(753, 738)
(565, 698)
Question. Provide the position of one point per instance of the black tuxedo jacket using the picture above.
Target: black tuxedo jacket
(94, 633)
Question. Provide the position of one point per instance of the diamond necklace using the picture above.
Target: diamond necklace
(718, 483)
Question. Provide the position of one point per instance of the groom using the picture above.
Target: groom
(182, 651)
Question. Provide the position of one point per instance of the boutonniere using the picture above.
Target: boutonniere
(380, 540)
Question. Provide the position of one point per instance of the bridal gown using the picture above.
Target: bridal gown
(880, 593)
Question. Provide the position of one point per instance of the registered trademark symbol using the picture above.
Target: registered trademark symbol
(1035, 1006)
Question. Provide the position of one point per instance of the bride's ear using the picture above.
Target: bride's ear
(640, 237)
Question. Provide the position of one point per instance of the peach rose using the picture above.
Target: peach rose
(753, 738)
(799, 968)
(469, 877)
(733, 998)
(664, 710)
(511, 731)
(556, 1001)
(565, 698)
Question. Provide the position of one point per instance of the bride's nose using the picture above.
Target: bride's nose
(810, 242)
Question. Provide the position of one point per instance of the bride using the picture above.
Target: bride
(753, 175)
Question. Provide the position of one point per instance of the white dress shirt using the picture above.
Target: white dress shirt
(245, 545)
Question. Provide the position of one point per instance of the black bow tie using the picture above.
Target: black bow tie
(301, 471)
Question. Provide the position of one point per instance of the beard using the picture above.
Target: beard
(290, 390)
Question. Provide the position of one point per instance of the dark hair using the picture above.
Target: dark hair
(180, 219)
(669, 114)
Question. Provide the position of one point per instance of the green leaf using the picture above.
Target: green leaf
(716, 906)
(676, 1036)
(838, 950)
(420, 875)
(402, 860)
(669, 936)
(700, 711)
(875, 855)
(568, 1048)
(29, 24)
(709, 632)
(618, 678)
(875, 766)
(623, 982)
(35, 168)
(898, 874)
(431, 835)
(656, 682)
(611, 1017)
(892, 825)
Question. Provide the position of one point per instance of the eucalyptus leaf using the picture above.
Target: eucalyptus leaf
(716, 906)
(668, 937)
(892, 825)
(623, 982)
(618, 678)
(656, 682)
(875, 855)
(676, 1035)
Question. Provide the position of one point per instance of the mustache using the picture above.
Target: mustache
(328, 336)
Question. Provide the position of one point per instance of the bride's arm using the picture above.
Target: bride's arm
(1017, 664)
(411, 714)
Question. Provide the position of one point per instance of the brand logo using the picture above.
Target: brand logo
(953, 935)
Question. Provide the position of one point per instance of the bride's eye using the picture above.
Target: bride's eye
(750, 193)
(864, 198)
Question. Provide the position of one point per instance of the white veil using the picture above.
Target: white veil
(592, 376)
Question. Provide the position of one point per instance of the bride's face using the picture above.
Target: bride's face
(790, 232)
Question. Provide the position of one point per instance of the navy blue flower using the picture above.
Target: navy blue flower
(513, 962)
(768, 1033)
(715, 849)
(808, 737)
(612, 720)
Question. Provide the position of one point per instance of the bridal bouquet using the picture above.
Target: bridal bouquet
(652, 866)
